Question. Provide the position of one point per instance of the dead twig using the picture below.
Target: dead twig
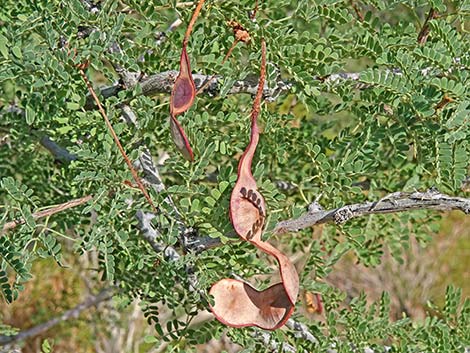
(357, 10)
(49, 212)
(116, 140)
(424, 33)
(192, 22)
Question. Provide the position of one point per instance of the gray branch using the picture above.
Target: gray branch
(151, 235)
(60, 153)
(356, 76)
(301, 331)
(396, 202)
(163, 83)
(272, 344)
(152, 177)
(393, 203)
(104, 295)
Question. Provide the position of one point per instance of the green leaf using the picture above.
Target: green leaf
(4, 46)
(28, 217)
(150, 339)
(17, 52)
(46, 347)
(30, 115)
(73, 106)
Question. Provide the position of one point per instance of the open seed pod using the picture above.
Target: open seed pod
(237, 303)
(184, 90)
(182, 97)
(183, 93)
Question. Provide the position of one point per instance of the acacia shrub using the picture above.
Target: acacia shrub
(400, 125)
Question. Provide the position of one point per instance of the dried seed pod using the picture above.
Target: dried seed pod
(240, 33)
(180, 139)
(237, 303)
(184, 90)
(183, 93)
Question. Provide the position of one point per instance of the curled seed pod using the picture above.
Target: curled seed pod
(237, 303)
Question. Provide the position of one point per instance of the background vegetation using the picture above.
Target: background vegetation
(400, 125)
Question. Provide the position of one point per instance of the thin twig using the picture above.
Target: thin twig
(49, 212)
(192, 21)
(116, 140)
(203, 87)
(252, 13)
(424, 33)
(104, 295)
(357, 10)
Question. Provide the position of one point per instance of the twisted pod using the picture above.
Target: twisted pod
(183, 93)
(184, 89)
(237, 303)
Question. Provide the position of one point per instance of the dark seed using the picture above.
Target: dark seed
(254, 197)
(250, 192)
(243, 191)
(258, 201)
(249, 234)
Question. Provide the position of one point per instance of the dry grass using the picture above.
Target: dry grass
(423, 275)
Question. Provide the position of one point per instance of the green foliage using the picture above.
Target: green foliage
(11, 258)
(402, 126)
(46, 346)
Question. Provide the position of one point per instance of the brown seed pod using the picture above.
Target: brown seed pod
(237, 303)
